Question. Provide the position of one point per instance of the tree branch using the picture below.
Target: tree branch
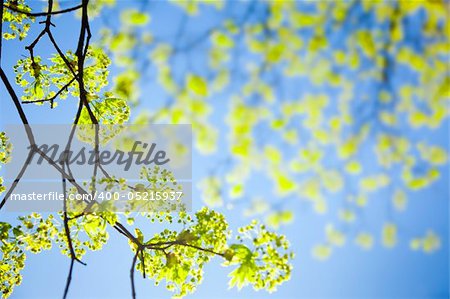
(69, 279)
(66, 222)
(19, 108)
(43, 14)
(17, 180)
(133, 265)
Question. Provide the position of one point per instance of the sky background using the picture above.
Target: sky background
(349, 273)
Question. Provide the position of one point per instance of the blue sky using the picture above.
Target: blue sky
(349, 273)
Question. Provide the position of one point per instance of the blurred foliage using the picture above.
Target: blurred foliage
(315, 91)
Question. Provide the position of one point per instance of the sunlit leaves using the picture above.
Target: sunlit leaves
(103, 119)
(178, 258)
(87, 233)
(264, 265)
(12, 260)
(95, 72)
(19, 23)
(157, 179)
(245, 272)
(180, 263)
(34, 78)
(42, 81)
(34, 234)
(95, 228)
(108, 111)
(5, 154)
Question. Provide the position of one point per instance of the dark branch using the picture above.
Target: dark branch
(81, 55)
(69, 279)
(201, 249)
(73, 255)
(143, 263)
(43, 14)
(17, 180)
(133, 266)
(19, 108)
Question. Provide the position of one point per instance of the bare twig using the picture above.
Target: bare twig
(133, 266)
(69, 279)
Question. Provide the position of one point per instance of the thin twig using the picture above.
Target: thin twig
(81, 55)
(69, 279)
(66, 223)
(202, 249)
(46, 29)
(18, 178)
(43, 14)
(19, 108)
(133, 265)
(143, 264)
